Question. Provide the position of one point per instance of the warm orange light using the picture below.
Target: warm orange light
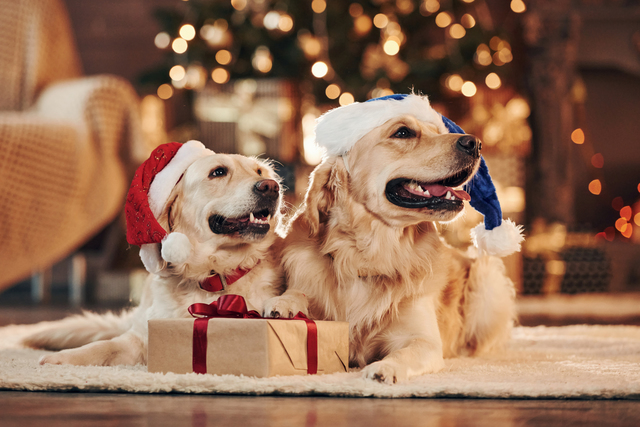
(346, 99)
(518, 6)
(220, 75)
(627, 231)
(380, 20)
(626, 213)
(165, 91)
(493, 81)
(636, 219)
(332, 91)
(318, 6)
(457, 31)
(223, 57)
(355, 10)
(597, 160)
(468, 21)
(443, 19)
(239, 4)
(621, 224)
(595, 187)
(577, 136)
(362, 24)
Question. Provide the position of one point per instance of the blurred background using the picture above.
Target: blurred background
(90, 87)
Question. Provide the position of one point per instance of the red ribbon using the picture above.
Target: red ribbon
(234, 306)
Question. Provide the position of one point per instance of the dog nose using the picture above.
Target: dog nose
(267, 187)
(470, 145)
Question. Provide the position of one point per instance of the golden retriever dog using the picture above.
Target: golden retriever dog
(229, 207)
(364, 246)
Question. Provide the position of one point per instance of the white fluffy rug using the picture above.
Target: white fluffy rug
(571, 362)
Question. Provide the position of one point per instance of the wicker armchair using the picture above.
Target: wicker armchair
(67, 143)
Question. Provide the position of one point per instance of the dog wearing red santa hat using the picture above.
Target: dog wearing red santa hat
(205, 223)
(364, 247)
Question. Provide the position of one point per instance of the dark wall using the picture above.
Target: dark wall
(116, 36)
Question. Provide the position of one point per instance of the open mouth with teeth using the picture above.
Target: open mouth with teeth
(445, 194)
(256, 223)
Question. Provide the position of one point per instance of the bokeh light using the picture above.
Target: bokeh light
(179, 45)
(223, 57)
(595, 187)
(391, 47)
(332, 91)
(187, 32)
(380, 20)
(457, 31)
(443, 19)
(597, 160)
(162, 40)
(493, 81)
(220, 75)
(346, 99)
(518, 6)
(468, 89)
(577, 136)
(319, 69)
(165, 91)
(177, 72)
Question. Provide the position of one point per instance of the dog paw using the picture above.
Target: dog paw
(385, 372)
(58, 358)
(285, 306)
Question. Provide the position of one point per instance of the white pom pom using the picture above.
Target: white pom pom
(176, 248)
(150, 256)
(501, 241)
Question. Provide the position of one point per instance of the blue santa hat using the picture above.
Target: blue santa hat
(339, 129)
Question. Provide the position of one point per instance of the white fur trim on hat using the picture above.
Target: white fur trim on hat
(176, 248)
(503, 240)
(339, 129)
(168, 177)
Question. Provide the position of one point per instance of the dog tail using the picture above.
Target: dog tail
(81, 329)
(489, 306)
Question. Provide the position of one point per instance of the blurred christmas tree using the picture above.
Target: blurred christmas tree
(336, 50)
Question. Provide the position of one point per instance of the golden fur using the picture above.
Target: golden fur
(195, 198)
(353, 256)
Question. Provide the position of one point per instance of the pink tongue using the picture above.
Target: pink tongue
(439, 191)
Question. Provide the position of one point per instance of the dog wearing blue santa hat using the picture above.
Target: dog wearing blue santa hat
(364, 246)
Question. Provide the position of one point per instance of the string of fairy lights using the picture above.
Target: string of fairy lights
(629, 214)
(312, 40)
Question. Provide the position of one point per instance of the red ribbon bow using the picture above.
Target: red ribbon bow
(234, 306)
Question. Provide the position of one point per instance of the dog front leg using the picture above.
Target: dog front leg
(412, 344)
(127, 349)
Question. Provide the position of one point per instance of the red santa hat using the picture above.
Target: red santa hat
(148, 194)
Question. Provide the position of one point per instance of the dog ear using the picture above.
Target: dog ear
(170, 216)
(326, 187)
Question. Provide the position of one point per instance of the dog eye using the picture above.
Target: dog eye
(404, 132)
(260, 172)
(218, 172)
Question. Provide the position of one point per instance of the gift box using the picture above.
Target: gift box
(247, 345)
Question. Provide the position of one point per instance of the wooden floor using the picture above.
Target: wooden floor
(24, 409)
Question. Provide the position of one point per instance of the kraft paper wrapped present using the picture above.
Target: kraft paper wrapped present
(243, 343)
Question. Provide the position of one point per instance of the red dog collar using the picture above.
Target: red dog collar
(217, 283)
